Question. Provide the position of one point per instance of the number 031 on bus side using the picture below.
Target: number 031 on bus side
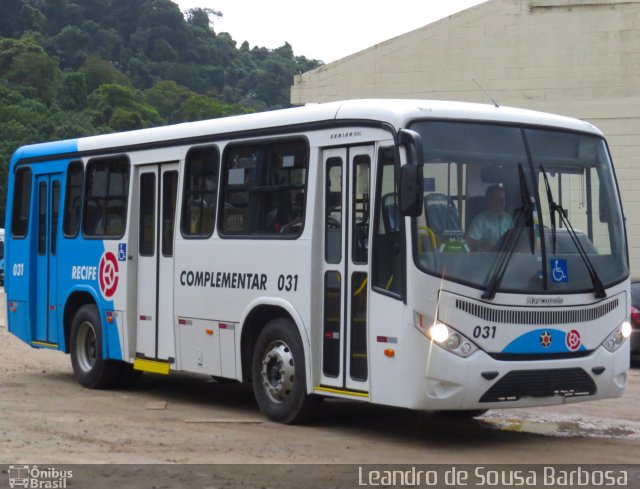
(431, 255)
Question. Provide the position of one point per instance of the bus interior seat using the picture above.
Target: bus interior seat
(115, 220)
(93, 218)
(280, 212)
(387, 249)
(441, 214)
(390, 213)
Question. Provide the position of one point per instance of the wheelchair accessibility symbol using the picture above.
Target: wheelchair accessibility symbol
(122, 252)
(559, 271)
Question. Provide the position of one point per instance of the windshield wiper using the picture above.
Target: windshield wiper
(527, 204)
(553, 208)
(508, 245)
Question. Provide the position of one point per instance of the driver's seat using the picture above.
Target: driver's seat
(474, 206)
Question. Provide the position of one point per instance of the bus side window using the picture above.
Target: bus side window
(73, 199)
(333, 211)
(200, 194)
(360, 206)
(21, 203)
(147, 223)
(106, 197)
(264, 189)
(387, 246)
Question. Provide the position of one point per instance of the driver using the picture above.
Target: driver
(488, 226)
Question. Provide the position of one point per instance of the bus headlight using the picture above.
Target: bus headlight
(618, 337)
(438, 332)
(450, 340)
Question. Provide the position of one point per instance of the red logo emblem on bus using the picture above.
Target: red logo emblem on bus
(573, 340)
(108, 274)
(545, 339)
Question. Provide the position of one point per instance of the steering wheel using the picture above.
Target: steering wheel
(521, 245)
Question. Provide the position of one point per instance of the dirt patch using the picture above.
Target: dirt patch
(48, 418)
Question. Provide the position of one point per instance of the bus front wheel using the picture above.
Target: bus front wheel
(89, 368)
(279, 376)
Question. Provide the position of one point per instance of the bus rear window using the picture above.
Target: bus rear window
(21, 203)
(106, 198)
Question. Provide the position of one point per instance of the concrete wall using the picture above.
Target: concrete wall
(579, 58)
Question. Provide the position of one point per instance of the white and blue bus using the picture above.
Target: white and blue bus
(430, 255)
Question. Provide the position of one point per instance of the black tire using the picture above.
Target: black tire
(279, 376)
(89, 368)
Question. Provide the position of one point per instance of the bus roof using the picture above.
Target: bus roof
(396, 112)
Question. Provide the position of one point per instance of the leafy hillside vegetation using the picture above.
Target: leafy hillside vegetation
(71, 68)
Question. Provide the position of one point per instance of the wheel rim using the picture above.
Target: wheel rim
(278, 371)
(87, 346)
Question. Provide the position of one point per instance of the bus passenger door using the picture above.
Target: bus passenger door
(157, 185)
(347, 184)
(48, 209)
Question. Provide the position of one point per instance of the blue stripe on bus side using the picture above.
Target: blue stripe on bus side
(81, 253)
(20, 253)
(77, 252)
(45, 149)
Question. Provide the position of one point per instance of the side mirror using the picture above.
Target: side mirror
(411, 190)
(411, 177)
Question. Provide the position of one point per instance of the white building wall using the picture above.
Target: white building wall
(579, 58)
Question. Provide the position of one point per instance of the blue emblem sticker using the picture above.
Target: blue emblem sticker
(122, 251)
(559, 270)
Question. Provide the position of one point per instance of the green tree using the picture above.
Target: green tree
(106, 100)
(201, 18)
(199, 107)
(73, 91)
(145, 41)
(18, 17)
(10, 48)
(36, 74)
(71, 68)
(70, 46)
(167, 98)
(98, 71)
(125, 120)
(72, 124)
(23, 121)
(143, 72)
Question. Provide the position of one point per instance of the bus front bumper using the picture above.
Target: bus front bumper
(482, 382)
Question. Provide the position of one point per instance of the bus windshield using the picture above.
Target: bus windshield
(485, 197)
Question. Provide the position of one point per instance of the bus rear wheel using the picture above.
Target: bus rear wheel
(89, 368)
(279, 376)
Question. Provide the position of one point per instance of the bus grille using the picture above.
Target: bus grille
(536, 317)
(565, 382)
